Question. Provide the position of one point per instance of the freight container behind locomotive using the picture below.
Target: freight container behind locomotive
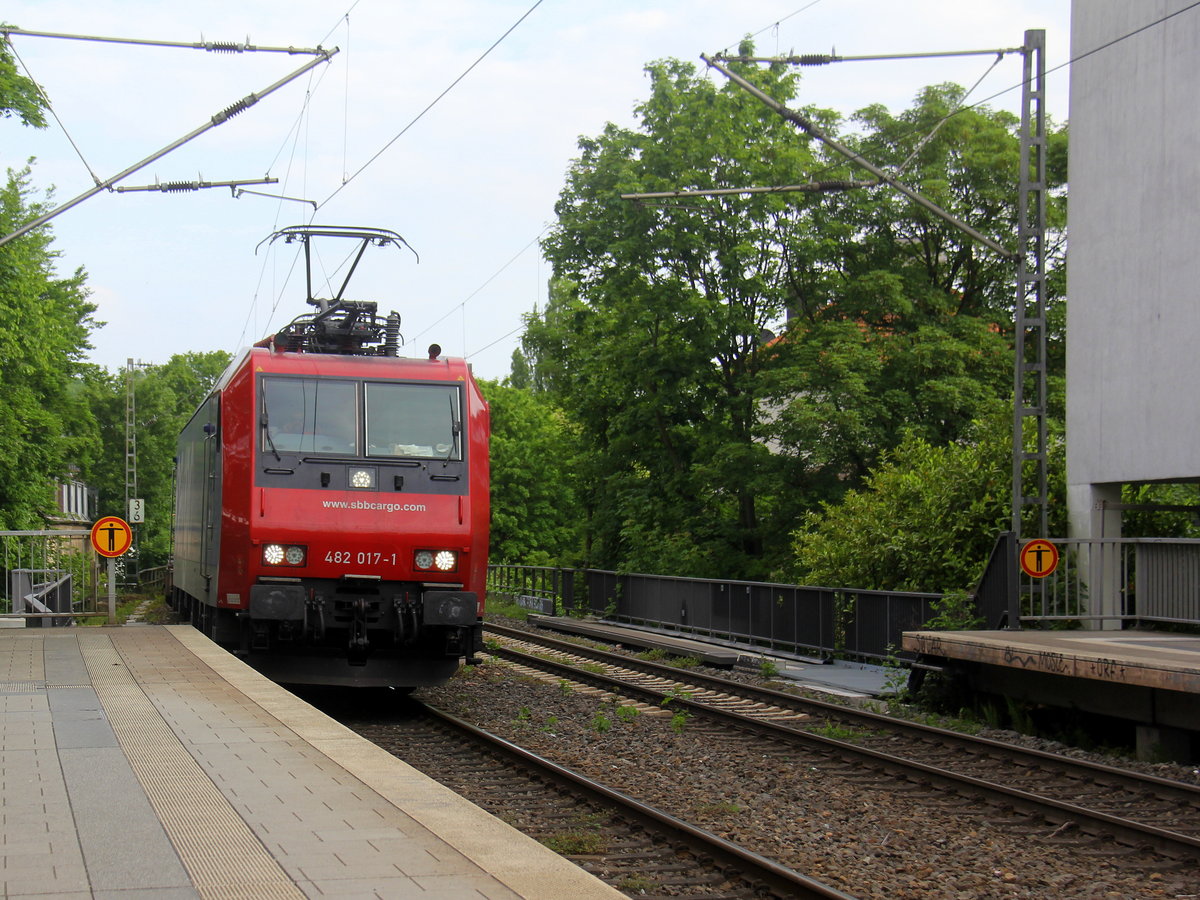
(332, 504)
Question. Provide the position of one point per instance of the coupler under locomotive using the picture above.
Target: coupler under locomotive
(373, 626)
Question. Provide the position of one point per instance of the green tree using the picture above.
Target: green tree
(165, 396)
(535, 520)
(652, 336)
(45, 323)
(926, 516)
(707, 436)
(18, 95)
(902, 324)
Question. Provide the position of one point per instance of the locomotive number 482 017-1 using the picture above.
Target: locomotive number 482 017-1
(360, 557)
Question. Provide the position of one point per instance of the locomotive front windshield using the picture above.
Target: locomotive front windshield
(388, 419)
(310, 415)
(408, 420)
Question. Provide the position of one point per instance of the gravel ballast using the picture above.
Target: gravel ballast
(865, 836)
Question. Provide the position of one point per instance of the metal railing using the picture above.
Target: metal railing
(1115, 583)
(841, 622)
(49, 577)
(553, 587)
(153, 579)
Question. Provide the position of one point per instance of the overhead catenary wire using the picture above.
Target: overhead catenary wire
(209, 46)
(937, 125)
(1071, 61)
(218, 119)
(294, 135)
(50, 106)
(777, 22)
(433, 102)
(462, 304)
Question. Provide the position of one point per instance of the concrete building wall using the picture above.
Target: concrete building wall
(1133, 264)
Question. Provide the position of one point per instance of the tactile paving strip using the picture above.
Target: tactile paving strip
(222, 855)
(26, 687)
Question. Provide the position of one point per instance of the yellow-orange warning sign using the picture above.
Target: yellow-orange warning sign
(111, 536)
(1039, 558)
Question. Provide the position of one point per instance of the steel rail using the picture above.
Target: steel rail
(1178, 791)
(1090, 820)
(750, 865)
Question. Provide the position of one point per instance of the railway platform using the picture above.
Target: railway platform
(1148, 679)
(146, 762)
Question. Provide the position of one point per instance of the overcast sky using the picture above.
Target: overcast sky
(471, 185)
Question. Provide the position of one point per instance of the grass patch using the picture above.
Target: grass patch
(577, 842)
(156, 613)
(628, 714)
(656, 655)
(836, 732)
(720, 808)
(504, 605)
(636, 884)
(684, 662)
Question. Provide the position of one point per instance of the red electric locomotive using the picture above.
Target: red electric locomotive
(332, 503)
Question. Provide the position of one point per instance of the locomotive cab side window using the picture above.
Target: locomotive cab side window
(309, 415)
(414, 420)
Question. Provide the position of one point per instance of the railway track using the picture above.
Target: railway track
(632, 846)
(1139, 810)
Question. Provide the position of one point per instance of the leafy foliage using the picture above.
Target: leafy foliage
(925, 518)
(534, 516)
(732, 362)
(165, 396)
(18, 95)
(652, 335)
(45, 322)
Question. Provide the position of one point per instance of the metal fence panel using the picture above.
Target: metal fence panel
(1115, 583)
(1168, 582)
(49, 572)
(793, 618)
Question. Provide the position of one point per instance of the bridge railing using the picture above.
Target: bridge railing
(858, 624)
(49, 577)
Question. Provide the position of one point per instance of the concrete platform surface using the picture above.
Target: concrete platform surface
(146, 762)
(1151, 659)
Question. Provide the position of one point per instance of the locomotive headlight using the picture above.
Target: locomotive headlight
(362, 478)
(442, 560)
(284, 554)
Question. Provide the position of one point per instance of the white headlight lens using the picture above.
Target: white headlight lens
(273, 554)
(294, 556)
(362, 478)
(445, 560)
(423, 559)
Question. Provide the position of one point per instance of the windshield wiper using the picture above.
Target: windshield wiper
(265, 423)
(455, 431)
